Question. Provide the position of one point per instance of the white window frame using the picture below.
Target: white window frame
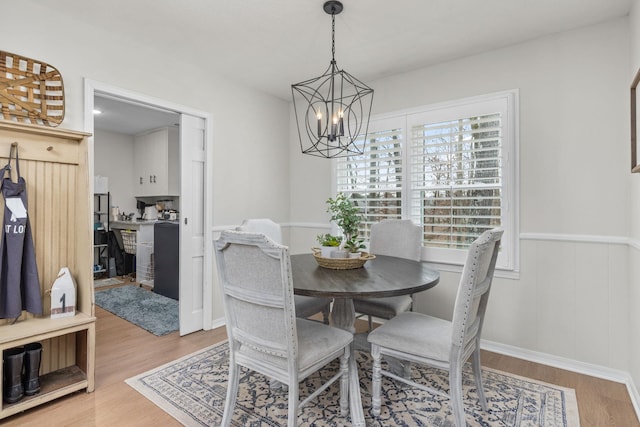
(508, 259)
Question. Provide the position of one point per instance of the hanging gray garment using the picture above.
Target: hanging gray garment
(19, 283)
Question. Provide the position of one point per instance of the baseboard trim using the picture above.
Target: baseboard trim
(217, 323)
(556, 361)
(590, 369)
(633, 394)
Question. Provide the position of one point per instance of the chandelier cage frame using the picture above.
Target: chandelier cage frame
(332, 111)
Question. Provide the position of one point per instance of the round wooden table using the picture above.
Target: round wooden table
(383, 276)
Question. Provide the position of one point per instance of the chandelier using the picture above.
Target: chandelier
(332, 111)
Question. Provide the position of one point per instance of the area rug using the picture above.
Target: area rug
(155, 313)
(193, 390)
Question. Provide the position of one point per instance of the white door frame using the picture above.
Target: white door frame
(90, 89)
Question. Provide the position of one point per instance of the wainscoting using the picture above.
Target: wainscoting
(572, 304)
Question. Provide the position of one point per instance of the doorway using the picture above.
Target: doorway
(134, 114)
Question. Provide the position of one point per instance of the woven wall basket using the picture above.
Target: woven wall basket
(30, 91)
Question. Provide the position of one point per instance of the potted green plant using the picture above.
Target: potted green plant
(328, 243)
(346, 216)
(354, 246)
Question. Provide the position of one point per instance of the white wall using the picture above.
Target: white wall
(570, 298)
(250, 128)
(113, 154)
(634, 251)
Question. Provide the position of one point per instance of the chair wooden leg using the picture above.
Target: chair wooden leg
(344, 382)
(325, 315)
(232, 393)
(455, 393)
(406, 370)
(293, 402)
(376, 380)
(477, 374)
(370, 323)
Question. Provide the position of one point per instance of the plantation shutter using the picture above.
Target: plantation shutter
(456, 177)
(373, 180)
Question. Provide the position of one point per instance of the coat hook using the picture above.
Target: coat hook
(49, 148)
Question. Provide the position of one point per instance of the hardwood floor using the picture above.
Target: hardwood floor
(601, 403)
(124, 350)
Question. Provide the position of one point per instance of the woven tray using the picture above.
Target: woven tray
(30, 91)
(341, 263)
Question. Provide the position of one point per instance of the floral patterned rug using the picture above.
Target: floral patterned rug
(193, 388)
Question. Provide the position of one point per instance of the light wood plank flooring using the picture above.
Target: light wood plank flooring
(124, 350)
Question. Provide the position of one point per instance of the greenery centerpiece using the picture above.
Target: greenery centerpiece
(346, 256)
(329, 240)
(354, 245)
(328, 244)
(347, 216)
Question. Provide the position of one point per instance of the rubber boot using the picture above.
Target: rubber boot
(32, 356)
(12, 389)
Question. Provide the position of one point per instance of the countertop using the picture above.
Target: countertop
(131, 225)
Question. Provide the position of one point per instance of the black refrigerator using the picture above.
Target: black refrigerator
(166, 253)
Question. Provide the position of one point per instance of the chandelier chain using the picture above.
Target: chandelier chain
(333, 37)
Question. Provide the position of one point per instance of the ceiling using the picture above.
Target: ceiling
(270, 44)
(129, 118)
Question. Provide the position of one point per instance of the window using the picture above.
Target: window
(450, 168)
(374, 180)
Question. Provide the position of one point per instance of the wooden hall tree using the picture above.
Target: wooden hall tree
(54, 163)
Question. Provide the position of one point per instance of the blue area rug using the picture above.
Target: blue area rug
(193, 390)
(155, 313)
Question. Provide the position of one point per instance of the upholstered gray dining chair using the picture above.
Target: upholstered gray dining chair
(398, 238)
(423, 339)
(305, 306)
(264, 334)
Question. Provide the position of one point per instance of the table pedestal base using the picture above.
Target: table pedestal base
(381, 276)
(343, 316)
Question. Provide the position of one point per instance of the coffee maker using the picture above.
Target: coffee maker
(140, 205)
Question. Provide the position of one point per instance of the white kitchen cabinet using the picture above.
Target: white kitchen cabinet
(156, 159)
